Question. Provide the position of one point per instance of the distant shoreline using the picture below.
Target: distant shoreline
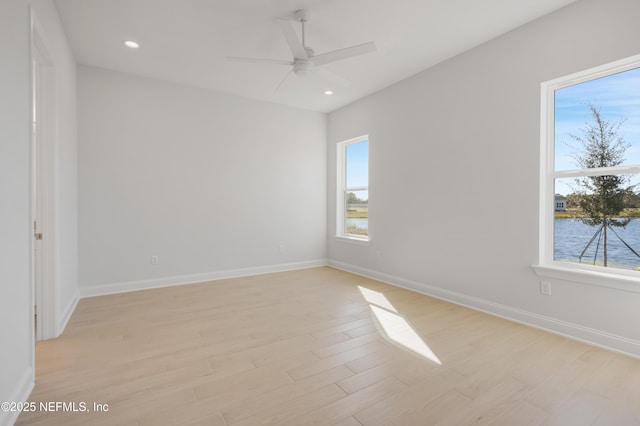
(578, 214)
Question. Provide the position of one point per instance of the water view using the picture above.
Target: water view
(359, 223)
(571, 237)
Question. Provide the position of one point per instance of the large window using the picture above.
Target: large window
(353, 188)
(590, 171)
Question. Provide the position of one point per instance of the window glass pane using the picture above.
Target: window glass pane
(357, 164)
(616, 98)
(357, 212)
(597, 221)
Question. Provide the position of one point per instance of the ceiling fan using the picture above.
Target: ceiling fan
(305, 61)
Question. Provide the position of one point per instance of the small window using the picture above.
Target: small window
(353, 188)
(590, 170)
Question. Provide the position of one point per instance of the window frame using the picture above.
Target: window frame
(342, 189)
(548, 267)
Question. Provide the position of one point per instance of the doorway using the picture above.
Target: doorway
(42, 163)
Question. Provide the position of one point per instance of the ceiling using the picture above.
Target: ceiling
(188, 41)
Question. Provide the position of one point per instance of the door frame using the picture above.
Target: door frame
(44, 146)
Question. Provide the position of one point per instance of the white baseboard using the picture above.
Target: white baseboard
(20, 394)
(124, 287)
(574, 331)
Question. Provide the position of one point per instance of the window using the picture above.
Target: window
(590, 171)
(353, 189)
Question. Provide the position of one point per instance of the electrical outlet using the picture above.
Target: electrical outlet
(545, 288)
(378, 254)
(154, 260)
(281, 248)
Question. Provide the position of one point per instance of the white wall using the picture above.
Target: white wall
(16, 373)
(16, 323)
(212, 184)
(454, 175)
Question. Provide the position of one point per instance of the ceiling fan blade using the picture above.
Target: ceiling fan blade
(279, 86)
(347, 52)
(296, 47)
(259, 60)
(332, 77)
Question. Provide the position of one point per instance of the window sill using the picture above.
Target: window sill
(352, 240)
(596, 278)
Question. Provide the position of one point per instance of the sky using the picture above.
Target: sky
(358, 167)
(616, 96)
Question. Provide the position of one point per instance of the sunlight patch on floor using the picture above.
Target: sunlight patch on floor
(376, 298)
(395, 326)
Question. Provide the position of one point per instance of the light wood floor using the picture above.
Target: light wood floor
(320, 347)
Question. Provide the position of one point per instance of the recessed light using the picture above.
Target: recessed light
(328, 92)
(131, 44)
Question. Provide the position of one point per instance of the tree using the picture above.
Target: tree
(601, 198)
(573, 200)
(632, 201)
(353, 199)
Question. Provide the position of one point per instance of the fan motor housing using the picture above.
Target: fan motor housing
(303, 15)
(302, 67)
